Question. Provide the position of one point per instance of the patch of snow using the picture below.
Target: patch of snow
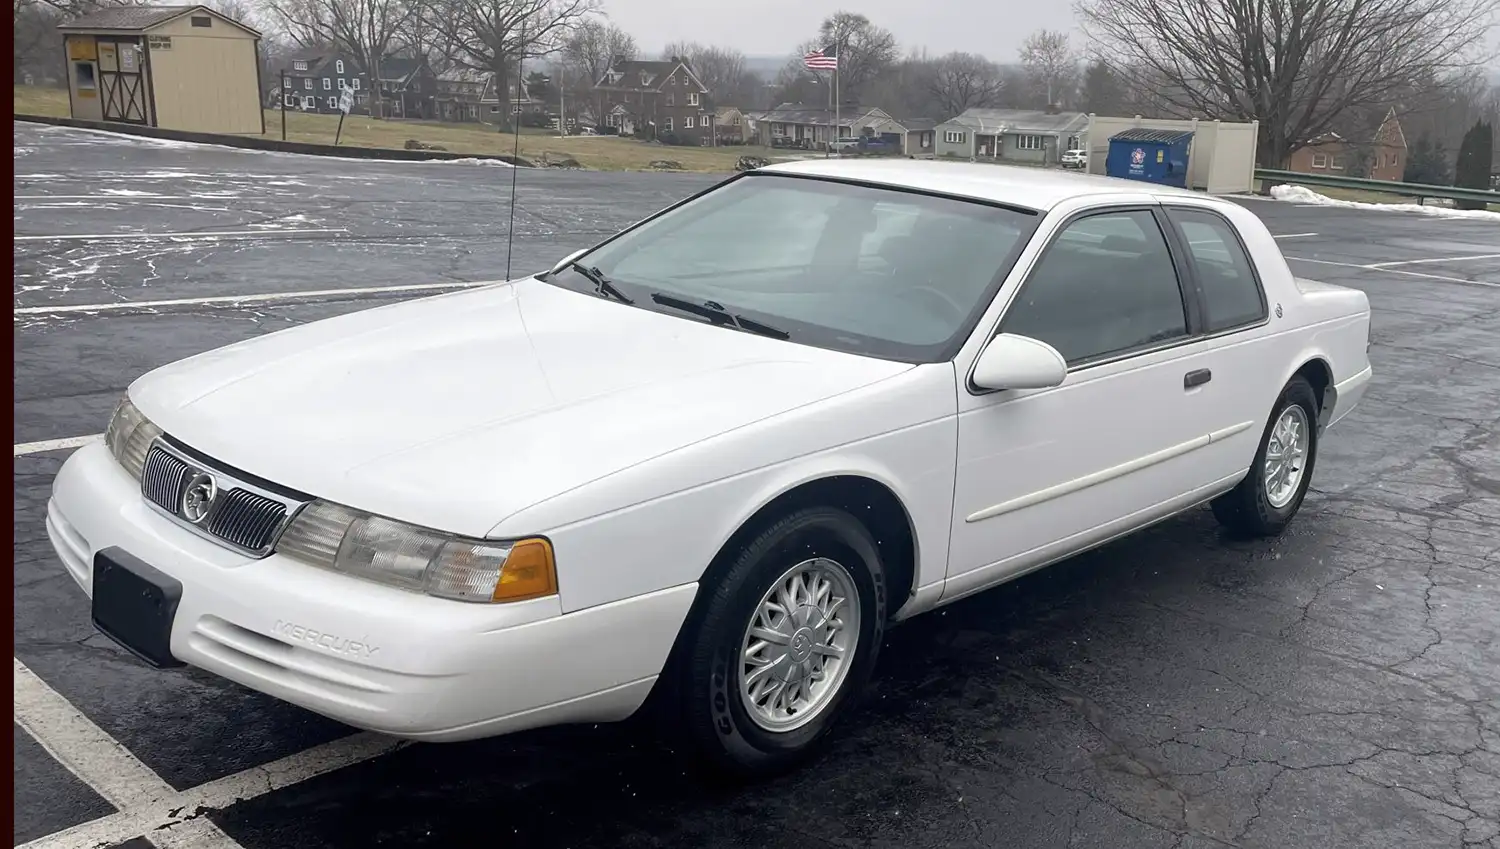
(1302, 194)
(471, 161)
(129, 193)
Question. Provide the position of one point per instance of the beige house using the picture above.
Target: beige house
(175, 67)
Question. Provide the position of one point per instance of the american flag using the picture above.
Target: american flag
(826, 59)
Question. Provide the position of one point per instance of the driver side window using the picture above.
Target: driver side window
(1105, 286)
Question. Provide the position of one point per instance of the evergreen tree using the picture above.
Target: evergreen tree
(1427, 163)
(1475, 158)
(1102, 92)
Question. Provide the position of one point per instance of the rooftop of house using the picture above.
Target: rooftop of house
(1020, 120)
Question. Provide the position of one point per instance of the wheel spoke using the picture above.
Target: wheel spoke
(775, 638)
(828, 650)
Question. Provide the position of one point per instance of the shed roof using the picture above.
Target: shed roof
(141, 18)
(1144, 134)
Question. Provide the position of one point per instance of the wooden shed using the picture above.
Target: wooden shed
(176, 67)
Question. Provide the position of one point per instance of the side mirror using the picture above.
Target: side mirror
(563, 263)
(1019, 362)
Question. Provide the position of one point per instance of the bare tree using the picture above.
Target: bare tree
(589, 50)
(962, 81)
(367, 30)
(494, 36)
(1293, 65)
(865, 50)
(721, 70)
(1051, 62)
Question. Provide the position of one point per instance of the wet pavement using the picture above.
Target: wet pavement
(1337, 687)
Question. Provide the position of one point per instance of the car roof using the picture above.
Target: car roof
(1036, 188)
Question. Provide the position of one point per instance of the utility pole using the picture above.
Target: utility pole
(283, 104)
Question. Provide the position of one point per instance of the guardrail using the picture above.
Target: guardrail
(1389, 187)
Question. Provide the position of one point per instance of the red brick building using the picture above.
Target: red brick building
(1331, 153)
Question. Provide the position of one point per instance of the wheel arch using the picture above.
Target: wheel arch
(1316, 369)
(867, 497)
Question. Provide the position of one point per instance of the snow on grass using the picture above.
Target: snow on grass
(1302, 194)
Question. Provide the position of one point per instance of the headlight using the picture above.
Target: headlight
(400, 555)
(129, 436)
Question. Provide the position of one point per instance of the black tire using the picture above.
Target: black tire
(1247, 510)
(704, 687)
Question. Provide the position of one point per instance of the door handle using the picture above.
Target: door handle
(1197, 378)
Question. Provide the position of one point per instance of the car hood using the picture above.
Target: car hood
(456, 411)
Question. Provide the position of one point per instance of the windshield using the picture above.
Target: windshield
(883, 272)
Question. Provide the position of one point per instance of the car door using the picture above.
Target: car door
(1240, 352)
(1041, 473)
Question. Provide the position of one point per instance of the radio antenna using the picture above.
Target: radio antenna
(515, 164)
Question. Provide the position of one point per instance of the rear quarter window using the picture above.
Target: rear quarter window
(1230, 288)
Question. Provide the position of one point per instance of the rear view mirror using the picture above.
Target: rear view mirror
(1019, 362)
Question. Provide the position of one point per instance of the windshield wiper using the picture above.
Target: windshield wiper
(716, 313)
(602, 286)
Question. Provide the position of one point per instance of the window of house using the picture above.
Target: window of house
(1320, 160)
(666, 124)
(327, 84)
(338, 65)
(645, 78)
(1231, 291)
(1395, 160)
(354, 83)
(309, 103)
(343, 84)
(286, 83)
(1337, 163)
(307, 84)
(692, 98)
(1105, 286)
(687, 123)
(300, 65)
(1029, 142)
(670, 99)
(954, 136)
(289, 100)
(202, 21)
(333, 103)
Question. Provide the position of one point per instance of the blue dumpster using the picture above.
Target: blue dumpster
(1152, 156)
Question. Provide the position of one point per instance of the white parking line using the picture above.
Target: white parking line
(55, 444)
(1395, 271)
(1295, 235)
(264, 297)
(1433, 259)
(102, 763)
(171, 817)
(213, 234)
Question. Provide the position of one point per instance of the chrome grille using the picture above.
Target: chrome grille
(163, 478)
(244, 519)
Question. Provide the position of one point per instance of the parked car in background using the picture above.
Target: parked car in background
(1075, 159)
(450, 518)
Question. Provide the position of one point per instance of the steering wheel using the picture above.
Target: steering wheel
(947, 307)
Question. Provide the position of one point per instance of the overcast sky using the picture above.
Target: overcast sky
(774, 27)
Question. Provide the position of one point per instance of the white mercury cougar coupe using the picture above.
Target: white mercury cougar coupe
(711, 459)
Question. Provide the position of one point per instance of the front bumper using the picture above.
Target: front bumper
(371, 656)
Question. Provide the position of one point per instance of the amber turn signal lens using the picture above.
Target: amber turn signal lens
(529, 572)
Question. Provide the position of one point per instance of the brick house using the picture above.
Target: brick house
(661, 100)
(459, 94)
(1331, 153)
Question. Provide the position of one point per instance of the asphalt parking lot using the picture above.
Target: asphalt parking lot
(1339, 687)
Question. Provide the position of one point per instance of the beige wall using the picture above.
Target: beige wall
(206, 82)
(1221, 159)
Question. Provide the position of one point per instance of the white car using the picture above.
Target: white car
(1075, 159)
(714, 456)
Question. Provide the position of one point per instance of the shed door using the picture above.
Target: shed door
(122, 87)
